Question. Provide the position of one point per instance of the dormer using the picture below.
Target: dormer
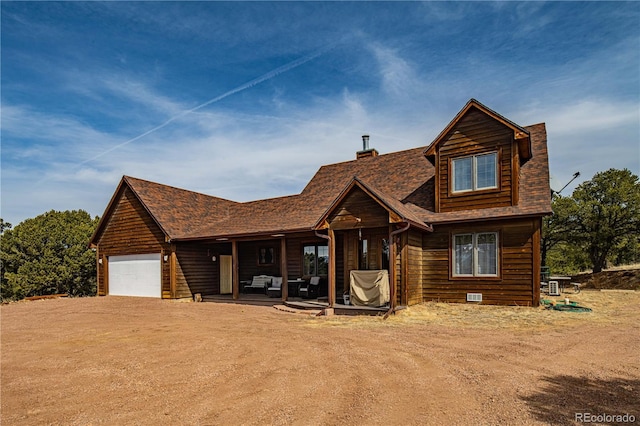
(477, 160)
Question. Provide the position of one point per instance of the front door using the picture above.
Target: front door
(226, 274)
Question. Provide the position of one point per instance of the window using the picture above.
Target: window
(363, 255)
(475, 172)
(475, 254)
(266, 256)
(315, 260)
(385, 253)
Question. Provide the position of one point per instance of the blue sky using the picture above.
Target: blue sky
(246, 100)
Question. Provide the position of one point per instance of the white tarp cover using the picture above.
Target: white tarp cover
(370, 288)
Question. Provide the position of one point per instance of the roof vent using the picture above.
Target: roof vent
(366, 151)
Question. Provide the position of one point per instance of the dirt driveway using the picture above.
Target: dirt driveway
(122, 361)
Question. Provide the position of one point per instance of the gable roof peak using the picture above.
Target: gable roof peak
(520, 134)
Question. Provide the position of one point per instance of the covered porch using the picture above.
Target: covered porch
(361, 230)
(224, 268)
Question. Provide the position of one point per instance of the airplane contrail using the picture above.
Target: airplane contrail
(271, 74)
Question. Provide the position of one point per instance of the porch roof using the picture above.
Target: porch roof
(390, 204)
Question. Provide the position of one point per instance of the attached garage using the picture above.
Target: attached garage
(135, 275)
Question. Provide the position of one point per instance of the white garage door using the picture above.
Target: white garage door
(135, 275)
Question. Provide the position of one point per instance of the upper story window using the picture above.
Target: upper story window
(475, 172)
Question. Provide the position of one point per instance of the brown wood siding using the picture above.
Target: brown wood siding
(248, 259)
(476, 133)
(130, 230)
(414, 268)
(195, 271)
(398, 266)
(103, 272)
(294, 257)
(514, 286)
(358, 205)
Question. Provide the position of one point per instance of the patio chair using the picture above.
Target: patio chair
(310, 290)
(259, 282)
(275, 290)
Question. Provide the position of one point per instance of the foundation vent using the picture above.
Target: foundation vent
(474, 297)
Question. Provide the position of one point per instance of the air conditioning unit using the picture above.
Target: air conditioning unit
(554, 288)
(474, 297)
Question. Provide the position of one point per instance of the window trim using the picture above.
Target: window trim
(475, 275)
(474, 173)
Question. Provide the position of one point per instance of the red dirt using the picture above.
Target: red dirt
(114, 360)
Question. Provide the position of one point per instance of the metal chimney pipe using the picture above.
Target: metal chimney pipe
(365, 142)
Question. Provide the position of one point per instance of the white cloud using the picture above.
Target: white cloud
(397, 75)
(55, 134)
(592, 115)
(589, 136)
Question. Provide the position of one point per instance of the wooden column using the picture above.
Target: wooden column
(172, 272)
(235, 269)
(332, 268)
(392, 268)
(537, 225)
(283, 269)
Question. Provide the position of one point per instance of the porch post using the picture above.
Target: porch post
(392, 267)
(235, 273)
(283, 269)
(537, 226)
(172, 272)
(332, 268)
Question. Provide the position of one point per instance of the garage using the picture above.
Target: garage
(135, 275)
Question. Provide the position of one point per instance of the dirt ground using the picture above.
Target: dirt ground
(621, 279)
(114, 360)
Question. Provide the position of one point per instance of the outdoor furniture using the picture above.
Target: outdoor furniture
(294, 285)
(311, 290)
(276, 287)
(369, 288)
(259, 282)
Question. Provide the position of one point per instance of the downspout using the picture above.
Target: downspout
(392, 258)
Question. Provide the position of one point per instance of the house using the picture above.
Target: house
(456, 221)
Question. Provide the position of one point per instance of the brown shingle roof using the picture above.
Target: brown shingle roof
(178, 211)
(403, 180)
